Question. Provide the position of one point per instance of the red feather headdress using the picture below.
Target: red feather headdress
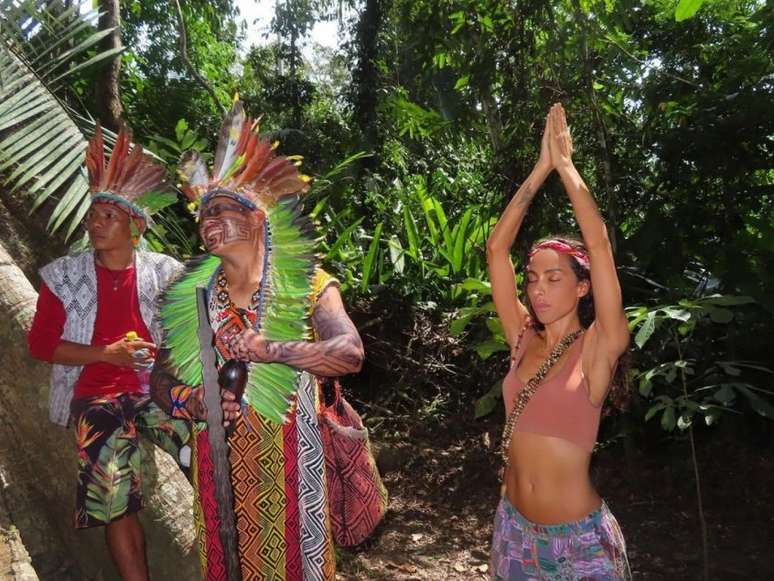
(127, 177)
(246, 167)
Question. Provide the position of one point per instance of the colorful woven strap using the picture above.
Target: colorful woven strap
(180, 394)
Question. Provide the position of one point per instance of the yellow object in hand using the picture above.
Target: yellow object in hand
(132, 336)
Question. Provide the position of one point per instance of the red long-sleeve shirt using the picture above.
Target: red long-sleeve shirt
(118, 312)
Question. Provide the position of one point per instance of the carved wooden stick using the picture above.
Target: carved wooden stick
(217, 438)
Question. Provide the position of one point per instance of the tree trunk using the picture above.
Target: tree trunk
(38, 467)
(107, 94)
(366, 76)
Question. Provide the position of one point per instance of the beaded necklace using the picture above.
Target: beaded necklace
(257, 299)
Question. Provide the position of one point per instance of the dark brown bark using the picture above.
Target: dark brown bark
(366, 75)
(107, 92)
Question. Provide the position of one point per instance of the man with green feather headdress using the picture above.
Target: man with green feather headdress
(96, 321)
(270, 305)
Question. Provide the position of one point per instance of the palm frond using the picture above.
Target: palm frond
(42, 139)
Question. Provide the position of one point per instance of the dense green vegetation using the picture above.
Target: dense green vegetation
(417, 128)
(422, 122)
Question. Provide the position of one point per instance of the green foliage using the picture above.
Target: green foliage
(690, 377)
(420, 125)
(43, 139)
(687, 9)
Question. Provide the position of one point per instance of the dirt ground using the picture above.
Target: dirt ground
(444, 491)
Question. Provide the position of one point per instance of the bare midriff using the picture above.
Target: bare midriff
(548, 479)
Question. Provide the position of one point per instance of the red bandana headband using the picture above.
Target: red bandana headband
(563, 248)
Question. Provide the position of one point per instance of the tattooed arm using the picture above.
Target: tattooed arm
(510, 310)
(339, 350)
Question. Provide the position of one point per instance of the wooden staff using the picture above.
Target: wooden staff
(216, 434)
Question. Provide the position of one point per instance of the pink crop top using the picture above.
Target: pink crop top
(560, 407)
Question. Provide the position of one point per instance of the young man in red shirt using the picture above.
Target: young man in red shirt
(96, 322)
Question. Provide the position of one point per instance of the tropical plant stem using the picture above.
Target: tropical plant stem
(697, 479)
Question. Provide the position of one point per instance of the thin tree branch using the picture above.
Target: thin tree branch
(647, 65)
(184, 54)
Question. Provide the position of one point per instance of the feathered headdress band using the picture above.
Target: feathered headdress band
(246, 167)
(126, 178)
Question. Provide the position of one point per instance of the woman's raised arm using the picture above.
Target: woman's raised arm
(510, 309)
(610, 332)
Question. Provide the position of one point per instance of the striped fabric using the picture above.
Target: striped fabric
(278, 478)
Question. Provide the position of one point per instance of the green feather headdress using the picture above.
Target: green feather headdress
(247, 170)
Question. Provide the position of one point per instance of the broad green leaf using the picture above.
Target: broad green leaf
(152, 202)
(461, 236)
(462, 82)
(397, 254)
(687, 9)
(474, 284)
(370, 258)
(410, 226)
(458, 325)
(758, 404)
(726, 300)
(646, 330)
(668, 420)
(718, 315)
(487, 403)
(486, 348)
(725, 394)
(495, 327)
(676, 314)
(180, 129)
(653, 410)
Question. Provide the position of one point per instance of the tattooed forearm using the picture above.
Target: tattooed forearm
(330, 358)
(337, 351)
(524, 195)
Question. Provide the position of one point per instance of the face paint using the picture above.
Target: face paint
(225, 223)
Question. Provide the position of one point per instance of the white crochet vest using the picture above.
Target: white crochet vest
(73, 279)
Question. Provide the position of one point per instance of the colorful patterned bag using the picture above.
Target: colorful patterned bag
(357, 498)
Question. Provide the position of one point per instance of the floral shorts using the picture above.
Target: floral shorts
(591, 549)
(107, 433)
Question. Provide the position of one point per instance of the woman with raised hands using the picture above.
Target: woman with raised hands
(565, 345)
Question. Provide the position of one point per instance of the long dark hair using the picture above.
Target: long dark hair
(620, 393)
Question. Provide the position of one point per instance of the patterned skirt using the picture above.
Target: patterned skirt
(591, 549)
(278, 479)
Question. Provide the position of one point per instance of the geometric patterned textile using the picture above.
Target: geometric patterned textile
(278, 481)
(357, 496)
